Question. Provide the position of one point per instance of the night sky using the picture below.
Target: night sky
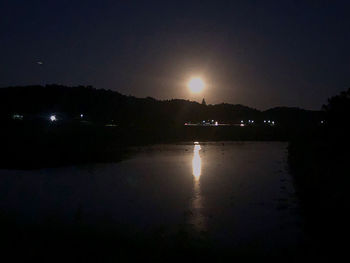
(257, 53)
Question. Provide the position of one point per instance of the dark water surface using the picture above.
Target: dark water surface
(238, 194)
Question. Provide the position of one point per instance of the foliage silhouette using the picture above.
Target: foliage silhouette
(319, 161)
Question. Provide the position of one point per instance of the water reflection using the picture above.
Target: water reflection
(197, 218)
(196, 162)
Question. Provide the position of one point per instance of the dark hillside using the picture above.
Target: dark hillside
(100, 105)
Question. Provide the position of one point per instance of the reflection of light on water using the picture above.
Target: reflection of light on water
(197, 218)
(196, 162)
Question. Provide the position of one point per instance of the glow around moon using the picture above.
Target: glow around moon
(196, 85)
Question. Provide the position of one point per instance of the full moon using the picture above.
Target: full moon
(196, 85)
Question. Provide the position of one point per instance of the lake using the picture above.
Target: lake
(238, 194)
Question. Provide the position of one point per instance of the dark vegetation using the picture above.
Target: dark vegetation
(112, 121)
(103, 106)
(319, 159)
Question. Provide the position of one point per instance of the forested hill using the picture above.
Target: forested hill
(99, 105)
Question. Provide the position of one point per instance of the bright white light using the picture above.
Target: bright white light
(196, 85)
(53, 118)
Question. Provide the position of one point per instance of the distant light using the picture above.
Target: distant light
(53, 118)
(196, 85)
(17, 117)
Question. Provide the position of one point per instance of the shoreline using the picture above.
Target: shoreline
(30, 146)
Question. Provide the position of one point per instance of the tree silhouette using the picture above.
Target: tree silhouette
(338, 110)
